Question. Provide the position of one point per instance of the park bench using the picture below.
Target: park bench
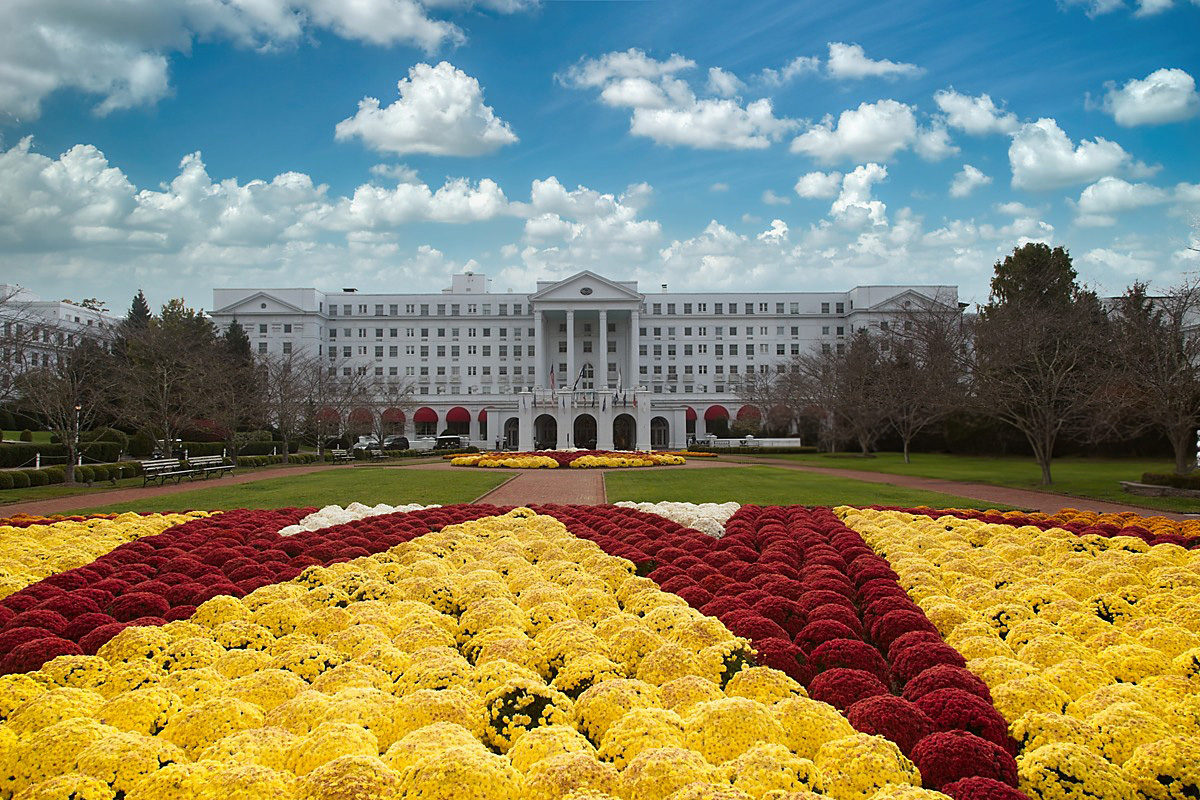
(162, 469)
(208, 465)
(341, 455)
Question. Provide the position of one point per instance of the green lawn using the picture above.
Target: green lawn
(340, 486)
(1088, 478)
(765, 486)
(38, 436)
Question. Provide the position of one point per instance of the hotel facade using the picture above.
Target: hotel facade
(582, 362)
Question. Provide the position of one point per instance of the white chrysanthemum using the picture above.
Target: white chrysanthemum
(336, 515)
(709, 518)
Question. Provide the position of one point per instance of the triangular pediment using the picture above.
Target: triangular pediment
(585, 287)
(253, 304)
(909, 300)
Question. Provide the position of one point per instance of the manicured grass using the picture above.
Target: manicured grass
(38, 436)
(340, 486)
(765, 486)
(1088, 478)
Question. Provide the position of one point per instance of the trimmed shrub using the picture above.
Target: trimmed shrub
(6, 481)
(37, 477)
(703, 448)
(265, 448)
(85, 475)
(19, 480)
(26, 435)
(1189, 481)
(194, 449)
(140, 446)
(55, 474)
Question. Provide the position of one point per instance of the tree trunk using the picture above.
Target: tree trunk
(1183, 453)
(906, 458)
(69, 472)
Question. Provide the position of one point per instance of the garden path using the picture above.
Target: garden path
(573, 486)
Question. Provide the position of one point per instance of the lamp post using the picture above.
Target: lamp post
(78, 455)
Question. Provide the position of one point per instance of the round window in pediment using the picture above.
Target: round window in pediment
(586, 290)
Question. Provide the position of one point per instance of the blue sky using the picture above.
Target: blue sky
(177, 145)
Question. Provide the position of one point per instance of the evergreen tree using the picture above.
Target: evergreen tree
(237, 343)
(139, 315)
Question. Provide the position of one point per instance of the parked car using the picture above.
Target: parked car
(395, 443)
(448, 443)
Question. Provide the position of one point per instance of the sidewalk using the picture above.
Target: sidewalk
(565, 486)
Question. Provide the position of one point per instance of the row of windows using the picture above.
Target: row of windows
(411, 333)
(422, 309)
(748, 308)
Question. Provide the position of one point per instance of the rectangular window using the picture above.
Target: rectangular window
(562, 347)
(687, 308)
(410, 308)
(840, 308)
(587, 346)
(393, 310)
(781, 349)
(454, 309)
(641, 350)
(472, 350)
(393, 333)
(503, 351)
(379, 352)
(287, 328)
(841, 330)
(824, 308)
(424, 351)
(733, 349)
(487, 351)
(658, 308)
(410, 350)
(687, 349)
(346, 352)
(424, 309)
(795, 349)
(441, 351)
(670, 308)
(503, 309)
(454, 350)
(441, 309)
(718, 308)
(262, 347)
(612, 346)
(719, 349)
(379, 309)
(262, 328)
(658, 350)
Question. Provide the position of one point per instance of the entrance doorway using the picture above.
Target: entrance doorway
(585, 431)
(624, 432)
(545, 433)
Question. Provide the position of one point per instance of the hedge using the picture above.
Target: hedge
(1189, 481)
(703, 448)
(23, 455)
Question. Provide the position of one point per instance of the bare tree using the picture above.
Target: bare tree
(923, 366)
(379, 397)
(286, 389)
(1158, 342)
(18, 331)
(848, 387)
(1040, 356)
(167, 372)
(69, 392)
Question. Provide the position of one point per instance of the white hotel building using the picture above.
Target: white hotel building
(582, 362)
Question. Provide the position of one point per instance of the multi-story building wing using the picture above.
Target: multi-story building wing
(35, 332)
(582, 362)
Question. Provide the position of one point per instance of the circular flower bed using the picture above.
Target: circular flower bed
(575, 459)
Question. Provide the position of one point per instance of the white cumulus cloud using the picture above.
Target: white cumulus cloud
(1165, 95)
(723, 82)
(856, 203)
(872, 132)
(120, 51)
(851, 62)
(666, 110)
(800, 65)
(819, 184)
(967, 180)
(974, 115)
(770, 198)
(440, 111)
(1042, 157)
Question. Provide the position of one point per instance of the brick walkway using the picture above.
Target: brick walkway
(574, 486)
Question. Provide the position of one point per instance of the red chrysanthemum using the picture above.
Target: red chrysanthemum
(842, 688)
(851, 653)
(787, 613)
(954, 709)
(893, 718)
(895, 624)
(85, 624)
(752, 625)
(944, 676)
(30, 656)
(784, 656)
(950, 756)
(910, 639)
(820, 631)
(138, 604)
(912, 661)
(39, 618)
(977, 788)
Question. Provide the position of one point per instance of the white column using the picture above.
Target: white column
(632, 376)
(539, 344)
(602, 366)
(571, 373)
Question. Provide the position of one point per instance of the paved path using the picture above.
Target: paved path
(587, 487)
(573, 486)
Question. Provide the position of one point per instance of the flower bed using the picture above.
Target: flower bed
(1089, 645)
(577, 459)
(606, 652)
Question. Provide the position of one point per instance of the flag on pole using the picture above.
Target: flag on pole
(635, 399)
(552, 371)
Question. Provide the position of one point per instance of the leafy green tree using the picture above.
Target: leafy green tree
(139, 315)
(237, 343)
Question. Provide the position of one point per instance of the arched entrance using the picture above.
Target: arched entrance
(483, 426)
(458, 421)
(660, 432)
(716, 420)
(545, 432)
(585, 431)
(512, 433)
(425, 419)
(624, 432)
(690, 422)
(393, 421)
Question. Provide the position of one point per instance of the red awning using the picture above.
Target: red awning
(483, 415)
(715, 413)
(393, 415)
(749, 412)
(691, 414)
(425, 414)
(360, 416)
(458, 414)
